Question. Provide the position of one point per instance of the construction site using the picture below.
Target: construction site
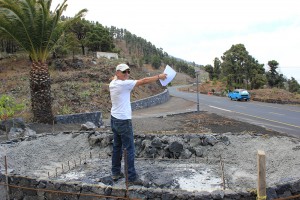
(174, 159)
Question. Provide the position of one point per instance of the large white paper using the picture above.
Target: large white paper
(171, 73)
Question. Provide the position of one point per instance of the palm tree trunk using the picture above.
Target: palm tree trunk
(40, 88)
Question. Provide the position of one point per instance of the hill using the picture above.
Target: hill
(77, 87)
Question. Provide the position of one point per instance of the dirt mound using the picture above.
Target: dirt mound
(216, 87)
(274, 95)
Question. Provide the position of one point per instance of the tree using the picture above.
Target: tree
(258, 81)
(72, 43)
(272, 73)
(273, 64)
(234, 61)
(98, 39)
(254, 74)
(240, 68)
(210, 70)
(156, 62)
(36, 29)
(68, 43)
(8, 45)
(80, 29)
(293, 85)
(217, 68)
(274, 78)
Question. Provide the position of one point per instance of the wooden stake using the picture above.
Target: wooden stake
(261, 169)
(53, 126)
(6, 178)
(6, 133)
(222, 170)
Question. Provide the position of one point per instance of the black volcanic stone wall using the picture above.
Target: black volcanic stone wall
(37, 187)
(95, 117)
(151, 101)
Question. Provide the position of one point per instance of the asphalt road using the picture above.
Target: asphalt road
(278, 117)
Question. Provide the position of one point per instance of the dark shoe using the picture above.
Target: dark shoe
(136, 181)
(117, 177)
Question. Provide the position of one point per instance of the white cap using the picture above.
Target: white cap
(122, 67)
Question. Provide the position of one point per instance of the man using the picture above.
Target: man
(120, 88)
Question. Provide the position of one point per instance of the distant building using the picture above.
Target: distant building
(107, 55)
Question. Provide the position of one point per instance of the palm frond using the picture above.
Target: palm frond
(34, 26)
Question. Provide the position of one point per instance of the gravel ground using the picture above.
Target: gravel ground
(44, 154)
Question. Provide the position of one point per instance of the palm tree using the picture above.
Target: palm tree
(36, 29)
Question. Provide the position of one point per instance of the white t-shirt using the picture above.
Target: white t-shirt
(120, 98)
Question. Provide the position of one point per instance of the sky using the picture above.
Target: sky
(201, 30)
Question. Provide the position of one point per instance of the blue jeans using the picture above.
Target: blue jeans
(123, 138)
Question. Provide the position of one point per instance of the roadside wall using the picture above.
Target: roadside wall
(151, 101)
(96, 117)
(29, 188)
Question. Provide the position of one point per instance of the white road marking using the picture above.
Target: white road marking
(281, 108)
(256, 117)
(219, 108)
(276, 113)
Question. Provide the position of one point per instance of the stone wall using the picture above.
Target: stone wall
(96, 117)
(151, 101)
(47, 189)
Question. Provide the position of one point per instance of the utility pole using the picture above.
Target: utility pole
(197, 75)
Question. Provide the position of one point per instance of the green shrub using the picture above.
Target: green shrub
(8, 107)
(65, 110)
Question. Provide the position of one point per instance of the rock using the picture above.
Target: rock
(107, 140)
(176, 147)
(211, 140)
(295, 186)
(150, 152)
(88, 126)
(8, 124)
(156, 143)
(217, 194)
(282, 189)
(186, 154)
(271, 193)
(195, 142)
(29, 132)
(199, 151)
(15, 133)
(225, 140)
(94, 139)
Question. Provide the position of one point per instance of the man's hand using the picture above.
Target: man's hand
(162, 76)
